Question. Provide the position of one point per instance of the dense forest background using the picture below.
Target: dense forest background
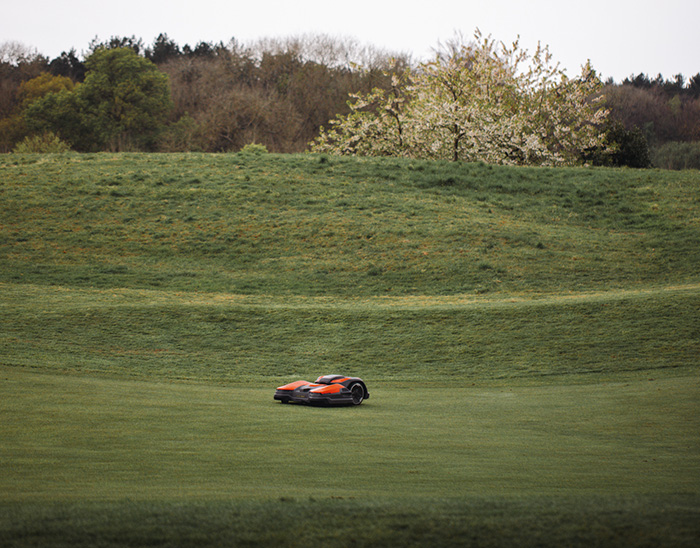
(280, 92)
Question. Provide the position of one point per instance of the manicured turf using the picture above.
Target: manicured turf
(80, 437)
(426, 464)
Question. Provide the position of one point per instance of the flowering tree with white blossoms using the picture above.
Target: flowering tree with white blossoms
(482, 101)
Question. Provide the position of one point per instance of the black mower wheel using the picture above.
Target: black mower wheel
(357, 391)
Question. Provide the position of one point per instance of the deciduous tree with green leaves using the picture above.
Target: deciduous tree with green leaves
(477, 101)
(13, 128)
(121, 105)
(127, 96)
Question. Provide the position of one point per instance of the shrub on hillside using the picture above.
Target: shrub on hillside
(254, 149)
(47, 142)
(631, 148)
(622, 148)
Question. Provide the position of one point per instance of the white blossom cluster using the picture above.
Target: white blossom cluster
(483, 101)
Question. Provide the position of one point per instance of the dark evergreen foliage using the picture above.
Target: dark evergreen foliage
(67, 64)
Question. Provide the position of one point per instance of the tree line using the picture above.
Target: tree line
(660, 115)
(280, 93)
(221, 96)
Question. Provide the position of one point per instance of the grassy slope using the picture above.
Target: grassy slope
(425, 340)
(562, 302)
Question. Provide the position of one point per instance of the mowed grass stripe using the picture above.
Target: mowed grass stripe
(19, 294)
(81, 438)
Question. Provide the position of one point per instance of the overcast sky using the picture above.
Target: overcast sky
(620, 37)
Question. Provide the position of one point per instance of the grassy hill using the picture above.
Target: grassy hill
(530, 337)
(240, 267)
(310, 225)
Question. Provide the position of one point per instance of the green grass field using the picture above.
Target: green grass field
(530, 339)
